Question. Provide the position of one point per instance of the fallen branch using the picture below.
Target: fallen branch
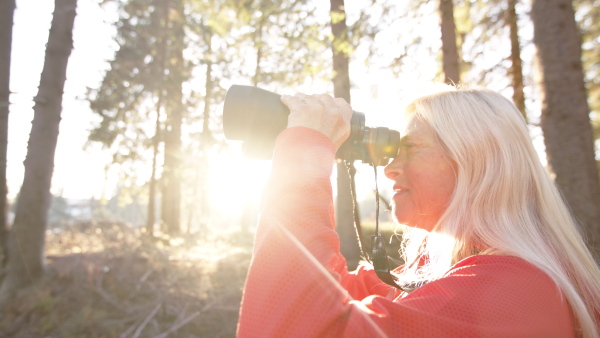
(127, 332)
(140, 283)
(98, 288)
(179, 325)
(146, 321)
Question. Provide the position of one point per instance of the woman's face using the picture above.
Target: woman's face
(424, 177)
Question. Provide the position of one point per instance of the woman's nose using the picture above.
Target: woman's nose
(394, 169)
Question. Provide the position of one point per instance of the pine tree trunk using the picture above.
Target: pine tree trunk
(171, 180)
(26, 242)
(206, 145)
(258, 43)
(565, 112)
(171, 196)
(341, 88)
(7, 8)
(163, 5)
(516, 68)
(151, 219)
(249, 212)
(450, 59)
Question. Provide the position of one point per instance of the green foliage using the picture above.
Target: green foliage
(484, 36)
(271, 43)
(144, 84)
(288, 40)
(376, 17)
(336, 17)
(130, 88)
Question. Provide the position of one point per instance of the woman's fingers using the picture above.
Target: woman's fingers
(292, 102)
(326, 100)
(320, 112)
(345, 108)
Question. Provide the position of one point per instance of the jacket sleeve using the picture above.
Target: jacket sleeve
(298, 284)
(296, 251)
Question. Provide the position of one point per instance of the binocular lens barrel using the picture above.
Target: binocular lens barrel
(256, 116)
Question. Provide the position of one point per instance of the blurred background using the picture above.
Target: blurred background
(149, 206)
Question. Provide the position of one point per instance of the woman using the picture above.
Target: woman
(489, 239)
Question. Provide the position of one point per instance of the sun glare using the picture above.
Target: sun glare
(236, 184)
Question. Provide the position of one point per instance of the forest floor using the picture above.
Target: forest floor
(110, 280)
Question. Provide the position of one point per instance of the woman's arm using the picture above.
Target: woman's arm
(296, 254)
(296, 285)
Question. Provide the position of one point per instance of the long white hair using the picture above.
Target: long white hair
(504, 200)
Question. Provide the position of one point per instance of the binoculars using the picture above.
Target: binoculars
(256, 116)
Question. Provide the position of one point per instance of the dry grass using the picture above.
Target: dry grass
(108, 280)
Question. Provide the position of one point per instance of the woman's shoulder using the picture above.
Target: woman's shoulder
(494, 260)
(497, 263)
(503, 275)
(493, 276)
(500, 292)
(510, 267)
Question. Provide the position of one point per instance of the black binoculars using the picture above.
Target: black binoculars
(256, 116)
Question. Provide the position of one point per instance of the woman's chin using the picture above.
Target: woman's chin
(413, 223)
(403, 217)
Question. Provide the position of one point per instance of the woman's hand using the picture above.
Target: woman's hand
(322, 113)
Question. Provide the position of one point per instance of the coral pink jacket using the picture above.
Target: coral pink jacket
(298, 284)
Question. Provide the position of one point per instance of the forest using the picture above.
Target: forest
(164, 250)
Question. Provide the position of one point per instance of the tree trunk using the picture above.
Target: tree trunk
(171, 196)
(249, 212)
(152, 189)
(565, 113)
(206, 145)
(516, 68)
(171, 180)
(7, 8)
(26, 242)
(162, 61)
(341, 88)
(450, 60)
(258, 43)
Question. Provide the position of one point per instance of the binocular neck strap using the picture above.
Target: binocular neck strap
(357, 226)
(378, 256)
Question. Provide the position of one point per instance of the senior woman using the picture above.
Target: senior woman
(488, 238)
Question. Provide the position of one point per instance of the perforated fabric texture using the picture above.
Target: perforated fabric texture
(298, 284)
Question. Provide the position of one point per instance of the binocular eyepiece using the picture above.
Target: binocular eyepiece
(256, 116)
